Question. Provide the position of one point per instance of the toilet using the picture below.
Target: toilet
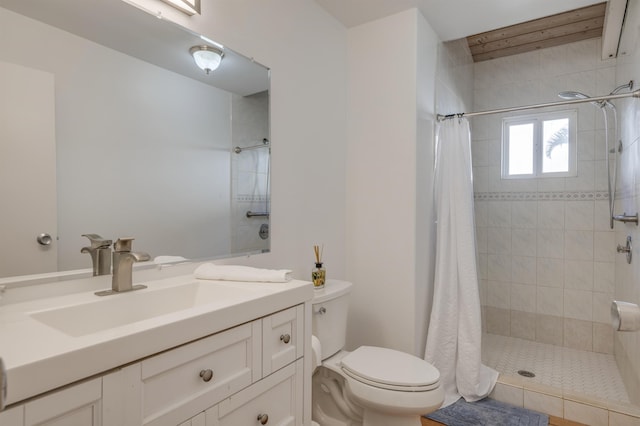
(371, 386)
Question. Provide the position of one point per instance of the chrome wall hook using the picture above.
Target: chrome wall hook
(626, 249)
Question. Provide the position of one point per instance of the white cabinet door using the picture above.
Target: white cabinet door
(13, 416)
(79, 405)
(199, 420)
(27, 170)
(275, 401)
(283, 338)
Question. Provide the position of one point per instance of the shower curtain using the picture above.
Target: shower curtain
(454, 335)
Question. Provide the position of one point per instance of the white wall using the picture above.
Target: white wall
(429, 70)
(382, 222)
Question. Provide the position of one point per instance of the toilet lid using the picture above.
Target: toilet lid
(390, 369)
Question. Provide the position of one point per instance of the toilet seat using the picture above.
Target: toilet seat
(389, 369)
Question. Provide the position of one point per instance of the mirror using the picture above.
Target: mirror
(111, 129)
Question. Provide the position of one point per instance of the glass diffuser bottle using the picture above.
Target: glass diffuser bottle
(318, 274)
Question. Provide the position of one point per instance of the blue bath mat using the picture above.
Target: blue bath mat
(487, 412)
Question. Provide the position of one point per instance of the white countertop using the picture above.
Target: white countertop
(40, 358)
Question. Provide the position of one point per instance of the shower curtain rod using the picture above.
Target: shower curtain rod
(635, 94)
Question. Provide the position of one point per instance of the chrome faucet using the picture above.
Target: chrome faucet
(100, 252)
(123, 259)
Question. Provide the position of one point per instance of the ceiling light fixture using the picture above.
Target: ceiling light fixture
(190, 7)
(207, 58)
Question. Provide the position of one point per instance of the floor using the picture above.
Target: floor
(569, 371)
(589, 373)
(553, 421)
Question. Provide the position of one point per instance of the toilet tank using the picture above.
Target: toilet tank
(330, 311)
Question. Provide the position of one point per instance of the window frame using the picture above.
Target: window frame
(537, 120)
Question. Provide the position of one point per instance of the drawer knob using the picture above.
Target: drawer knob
(285, 338)
(206, 375)
(263, 418)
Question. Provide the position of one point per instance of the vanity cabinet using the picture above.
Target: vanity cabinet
(229, 378)
(77, 405)
(199, 420)
(275, 400)
(252, 373)
(12, 416)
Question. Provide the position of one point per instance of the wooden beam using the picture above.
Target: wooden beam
(559, 19)
(540, 35)
(538, 45)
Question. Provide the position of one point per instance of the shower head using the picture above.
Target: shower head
(571, 95)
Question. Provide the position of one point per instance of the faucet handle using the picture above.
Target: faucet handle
(97, 241)
(123, 244)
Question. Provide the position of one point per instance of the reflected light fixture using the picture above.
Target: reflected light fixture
(190, 7)
(207, 58)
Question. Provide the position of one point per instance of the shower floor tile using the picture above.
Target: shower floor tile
(570, 370)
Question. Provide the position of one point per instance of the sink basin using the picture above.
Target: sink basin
(127, 308)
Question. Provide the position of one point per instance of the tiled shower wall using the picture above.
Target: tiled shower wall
(546, 253)
(627, 283)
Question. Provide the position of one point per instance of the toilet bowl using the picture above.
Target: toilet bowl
(371, 386)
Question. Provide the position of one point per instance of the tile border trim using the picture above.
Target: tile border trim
(542, 196)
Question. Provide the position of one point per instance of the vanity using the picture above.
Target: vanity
(180, 352)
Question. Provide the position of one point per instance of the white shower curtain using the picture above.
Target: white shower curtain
(454, 336)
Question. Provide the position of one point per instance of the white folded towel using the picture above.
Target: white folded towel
(209, 271)
(161, 260)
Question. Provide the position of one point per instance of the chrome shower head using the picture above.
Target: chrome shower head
(571, 95)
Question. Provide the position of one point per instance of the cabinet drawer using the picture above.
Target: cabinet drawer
(193, 377)
(283, 343)
(78, 405)
(275, 397)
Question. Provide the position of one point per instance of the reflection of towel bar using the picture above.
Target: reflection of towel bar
(238, 150)
(257, 214)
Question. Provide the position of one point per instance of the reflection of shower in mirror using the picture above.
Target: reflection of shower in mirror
(250, 167)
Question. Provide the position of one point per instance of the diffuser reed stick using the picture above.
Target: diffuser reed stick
(318, 252)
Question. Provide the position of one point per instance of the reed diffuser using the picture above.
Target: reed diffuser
(318, 274)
